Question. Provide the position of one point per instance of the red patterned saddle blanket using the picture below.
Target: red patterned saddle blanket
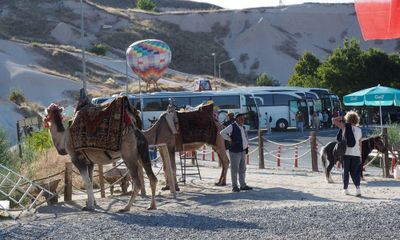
(198, 126)
(99, 127)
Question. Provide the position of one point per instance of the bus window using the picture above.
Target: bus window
(194, 101)
(311, 96)
(267, 100)
(164, 103)
(135, 102)
(181, 102)
(318, 105)
(152, 104)
(226, 102)
(282, 99)
(251, 101)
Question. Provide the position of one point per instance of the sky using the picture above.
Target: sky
(240, 4)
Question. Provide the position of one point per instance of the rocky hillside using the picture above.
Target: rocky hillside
(261, 40)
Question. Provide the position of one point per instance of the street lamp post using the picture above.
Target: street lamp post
(83, 51)
(219, 66)
(215, 69)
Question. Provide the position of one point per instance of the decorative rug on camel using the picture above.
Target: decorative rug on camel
(99, 127)
(198, 126)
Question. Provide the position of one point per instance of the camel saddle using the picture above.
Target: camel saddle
(100, 127)
(198, 125)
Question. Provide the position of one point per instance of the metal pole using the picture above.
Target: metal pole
(219, 71)
(83, 50)
(215, 71)
(127, 78)
(380, 114)
(215, 67)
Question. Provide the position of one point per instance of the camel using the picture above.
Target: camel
(133, 147)
(164, 131)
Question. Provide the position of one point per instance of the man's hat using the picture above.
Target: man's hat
(230, 113)
(239, 115)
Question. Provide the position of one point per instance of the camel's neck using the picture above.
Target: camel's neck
(58, 138)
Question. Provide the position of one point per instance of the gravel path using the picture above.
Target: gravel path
(284, 205)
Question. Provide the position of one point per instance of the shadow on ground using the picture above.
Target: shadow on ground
(182, 221)
(270, 194)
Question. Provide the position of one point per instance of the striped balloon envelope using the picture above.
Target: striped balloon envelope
(149, 58)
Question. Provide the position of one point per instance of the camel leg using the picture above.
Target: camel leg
(84, 171)
(153, 183)
(171, 152)
(140, 175)
(132, 166)
(224, 162)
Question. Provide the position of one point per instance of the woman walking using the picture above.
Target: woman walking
(350, 132)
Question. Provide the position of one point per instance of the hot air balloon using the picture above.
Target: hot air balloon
(149, 59)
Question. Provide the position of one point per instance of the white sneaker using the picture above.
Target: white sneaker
(358, 192)
(346, 192)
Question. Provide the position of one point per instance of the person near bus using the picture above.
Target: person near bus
(315, 118)
(325, 119)
(300, 121)
(230, 119)
(352, 157)
(236, 134)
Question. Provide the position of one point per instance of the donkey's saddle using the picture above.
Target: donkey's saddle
(198, 125)
(99, 127)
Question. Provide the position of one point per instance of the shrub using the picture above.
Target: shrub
(146, 5)
(16, 96)
(40, 141)
(99, 49)
(264, 80)
(4, 148)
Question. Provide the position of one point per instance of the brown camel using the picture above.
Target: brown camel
(164, 131)
(134, 147)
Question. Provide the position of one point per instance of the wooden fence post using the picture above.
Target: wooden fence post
(68, 182)
(261, 149)
(386, 163)
(101, 180)
(314, 157)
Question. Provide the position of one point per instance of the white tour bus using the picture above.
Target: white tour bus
(260, 103)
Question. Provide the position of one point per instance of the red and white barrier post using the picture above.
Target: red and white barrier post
(212, 155)
(296, 157)
(278, 160)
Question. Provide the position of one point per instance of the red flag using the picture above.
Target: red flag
(379, 19)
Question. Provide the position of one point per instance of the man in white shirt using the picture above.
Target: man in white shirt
(236, 134)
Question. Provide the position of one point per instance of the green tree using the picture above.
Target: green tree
(264, 80)
(147, 5)
(342, 72)
(305, 72)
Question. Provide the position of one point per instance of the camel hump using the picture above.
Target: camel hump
(99, 127)
(198, 125)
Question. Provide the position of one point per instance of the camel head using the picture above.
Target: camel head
(54, 116)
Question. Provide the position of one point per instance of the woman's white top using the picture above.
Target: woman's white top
(356, 150)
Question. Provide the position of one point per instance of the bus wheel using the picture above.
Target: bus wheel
(282, 124)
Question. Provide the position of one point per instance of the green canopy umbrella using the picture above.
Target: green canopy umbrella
(375, 96)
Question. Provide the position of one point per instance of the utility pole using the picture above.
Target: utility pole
(83, 50)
